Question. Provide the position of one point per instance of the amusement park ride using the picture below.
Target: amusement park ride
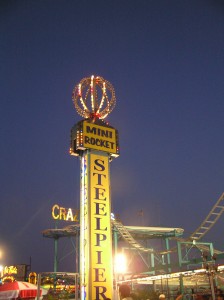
(100, 236)
(136, 237)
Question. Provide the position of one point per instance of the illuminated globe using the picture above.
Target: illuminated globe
(94, 97)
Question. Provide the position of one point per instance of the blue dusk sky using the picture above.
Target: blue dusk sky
(165, 59)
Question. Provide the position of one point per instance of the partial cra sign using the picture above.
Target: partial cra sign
(65, 214)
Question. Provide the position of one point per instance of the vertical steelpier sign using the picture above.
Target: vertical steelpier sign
(96, 142)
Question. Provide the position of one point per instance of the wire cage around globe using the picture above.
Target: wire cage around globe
(94, 97)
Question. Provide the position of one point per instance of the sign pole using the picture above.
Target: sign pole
(96, 143)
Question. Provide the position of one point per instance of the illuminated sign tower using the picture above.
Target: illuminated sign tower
(96, 143)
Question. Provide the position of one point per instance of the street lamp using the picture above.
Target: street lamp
(1, 266)
(1, 271)
(120, 266)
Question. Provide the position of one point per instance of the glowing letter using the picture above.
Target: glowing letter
(69, 215)
(53, 212)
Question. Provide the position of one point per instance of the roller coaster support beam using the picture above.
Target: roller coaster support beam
(168, 254)
(115, 242)
(56, 250)
(152, 257)
(181, 284)
(182, 260)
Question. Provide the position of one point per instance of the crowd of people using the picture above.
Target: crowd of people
(125, 293)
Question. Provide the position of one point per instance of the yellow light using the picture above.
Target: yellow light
(80, 94)
(1, 270)
(120, 266)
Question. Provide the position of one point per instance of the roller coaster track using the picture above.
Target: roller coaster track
(204, 227)
(128, 237)
(210, 220)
